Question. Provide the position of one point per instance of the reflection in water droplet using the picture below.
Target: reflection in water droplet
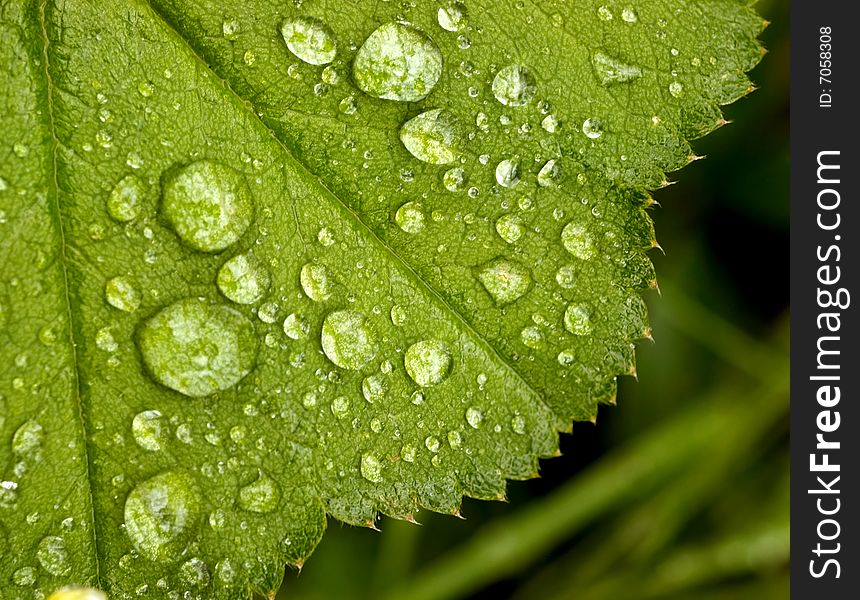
(428, 362)
(577, 319)
(410, 217)
(453, 16)
(121, 293)
(208, 204)
(244, 279)
(310, 40)
(550, 123)
(197, 348)
(148, 430)
(611, 70)
(371, 468)
(628, 15)
(261, 496)
(510, 228)
(162, 515)
(53, 556)
(397, 62)
(576, 240)
(505, 280)
(347, 339)
(316, 282)
(514, 85)
(432, 137)
(123, 204)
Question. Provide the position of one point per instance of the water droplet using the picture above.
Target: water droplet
(348, 105)
(261, 496)
(566, 358)
(507, 173)
(230, 29)
(514, 85)
(330, 75)
(371, 468)
(548, 173)
(455, 439)
(505, 280)
(162, 515)
(244, 279)
(592, 128)
(397, 62)
(510, 228)
(531, 337)
(27, 441)
(197, 348)
(398, 315)
(453, 16)
(296, 327)
(604, 13)
(325, 237)
(474, 417)
(518, 424)
(310, 40)
(148, 430)
(123, 204)
(53, 556)
(347, 339)
(194, 573)
(428, 362)
(577, 319)
(611, 70)
(208, 204)
(576, 240)
(628, 15)
(550, 123)
(432, 137)
(431, 442)
(373, 388)
(24, 577)
(455, 179)
(316, 282)
(566, 277)
(121, 293)
(408, 453)
(676, 89)
(146, 89)
(410, 217)
(340, 407)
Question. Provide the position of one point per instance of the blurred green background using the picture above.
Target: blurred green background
(681, 491)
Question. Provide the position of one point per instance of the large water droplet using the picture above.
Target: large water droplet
(548, 173)
(432, 137)
(428, 362)
(611, 70)
(474, 417)
(507, 173)
(208, 204)
(514, 85)
(121, 293)
(347, 339)
(371, 468)
(453, 16)
(505, 280)
(628, 15)
(296, 327)
(261, 496)
(310, 40)
(197, 348)
(373, 388)
(316, 282)
(577, 319)
(53, 556)
(510, 228)
(162, 515)
(576, 240)
(410, 217)
(592, 128)
(244, 279)
(397, 62)
(124, 201)
(27, 441)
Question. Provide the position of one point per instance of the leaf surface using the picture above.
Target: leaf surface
(265, 263)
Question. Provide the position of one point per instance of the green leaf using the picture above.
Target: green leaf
(266, 263)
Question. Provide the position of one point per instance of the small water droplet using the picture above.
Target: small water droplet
(325, 237)
(244, 279)
(453, 16)
(676, 89)
(162, 515)
(455, 439)
(548, 173)
(514, 85)
(148, 430)
(230, 29)
(474, 417)
(371, 468)
(194, 573)
(576, 240)
(518, 424)
(208, 204)
(124, 202)
(348, 106)
(316, 282)
(507, 173)
(24, 577)
(566, 358)
(408, 453)
(592, 128)
(455, 179)
(397, 62)
(432, 137)
(628, 15)
(428, 362)
(373, 388)
(27, 441)
(550, 123)
(340, 407)
(611, 70)
(431, 442)
(261, 496)
(410, 217)
(577, 319)
(505, 280)
(566, 277)
(604, 13)
(510, 228)
(121, 293)
(197, 348)
(531, 337)
(310, 40)
(398, 315)
(296, 327)
(53, 556)
(347, 339)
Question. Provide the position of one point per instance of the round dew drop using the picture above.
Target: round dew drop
(121, 294)
(244, 279)
(548, 173)
(197, 348)
(162, 515)
(397, 62)
(295, 327)
(410, 217)
(432, 137)
(592, 128)
(576, 240)
(371, 468)
(455, 179)
(310, 40)
(208, 204)
(507, 173)
(505, 280)
(531, 337)
(261, 496)
(428, 362)
(53, 556)
(316, 282)
(123, 204)
(510, 228)
(347, 339)
(514, 85)
(577, 319)
(474, 417)
(453, 16)
(148, 430)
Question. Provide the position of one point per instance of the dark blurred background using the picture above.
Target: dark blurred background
(681, 491)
